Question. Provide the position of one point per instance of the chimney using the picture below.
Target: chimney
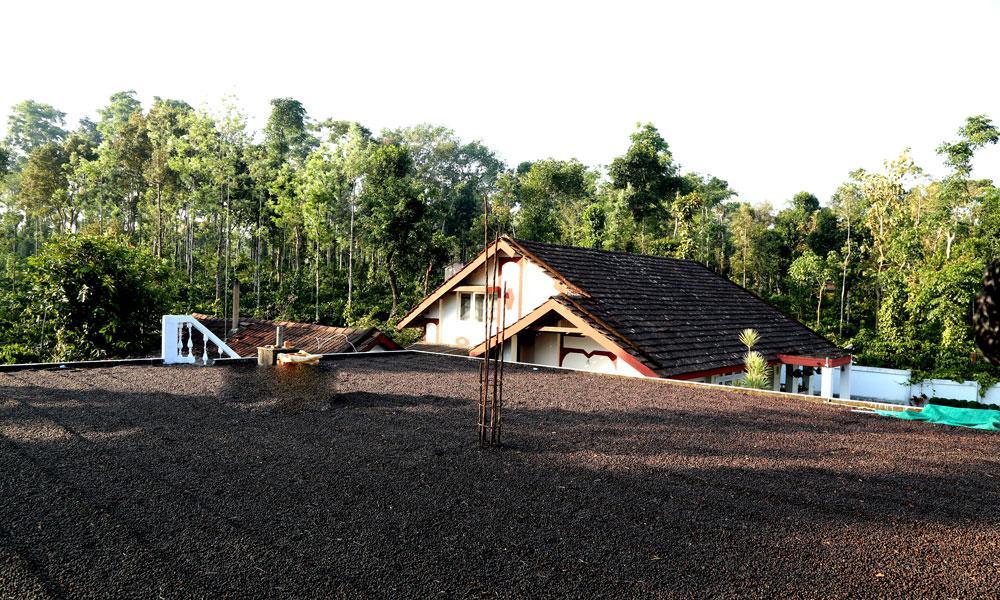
(236, 305)
(279, 336)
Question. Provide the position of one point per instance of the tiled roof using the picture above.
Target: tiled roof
(675, 315)
(318, 339)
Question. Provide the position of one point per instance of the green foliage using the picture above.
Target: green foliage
(977, 132)
(962, 403)
(749, 338)
(646, 173)
(757, 374)
(393, 213)
(98, 297)
(31, 125)
(552, 197)
(285, 134)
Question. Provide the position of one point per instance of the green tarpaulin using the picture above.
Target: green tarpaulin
(976, 418)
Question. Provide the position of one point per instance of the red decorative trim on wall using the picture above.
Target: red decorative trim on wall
(385, 342)
(521, 264)
(719, 371)
(809, 361)
(567, 351)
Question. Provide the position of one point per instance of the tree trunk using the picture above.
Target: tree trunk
(226, 288)
(316, 320)
(843, 280)
(218, 261)
(819, 302)
(392, 287)
(350, 264)
(256, 262)
(159, 221)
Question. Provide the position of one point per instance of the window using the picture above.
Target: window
(471, 307)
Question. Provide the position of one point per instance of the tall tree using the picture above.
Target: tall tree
(552, 197)
(394, 213)
(44, 194)
(33, 124)
(646, 173)
(286, 134)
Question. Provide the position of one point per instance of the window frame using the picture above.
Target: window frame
(477, 307)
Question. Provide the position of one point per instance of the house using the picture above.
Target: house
(318, 339)
(620, 313)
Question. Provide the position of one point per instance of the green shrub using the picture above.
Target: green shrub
(94, 297)
(962, 403)
(757, 372)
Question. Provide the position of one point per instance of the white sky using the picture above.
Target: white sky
(773, 97)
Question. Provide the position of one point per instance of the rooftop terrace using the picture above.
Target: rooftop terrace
(363, 477)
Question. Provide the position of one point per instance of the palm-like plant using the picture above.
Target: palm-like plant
(757, 372)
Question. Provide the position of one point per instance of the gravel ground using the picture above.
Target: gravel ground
(362, 478)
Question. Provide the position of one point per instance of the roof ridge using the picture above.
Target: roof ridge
(614, 252)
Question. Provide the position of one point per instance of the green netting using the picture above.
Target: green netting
(975, 418)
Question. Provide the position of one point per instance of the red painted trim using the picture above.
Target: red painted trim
(521, 264)
(588, 331)
(382, 340)
(566, 351)
(718, 371)
(638, 366)
(810, 361)
(783, 359)
(709, 372)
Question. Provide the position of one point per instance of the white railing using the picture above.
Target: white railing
(177, 344)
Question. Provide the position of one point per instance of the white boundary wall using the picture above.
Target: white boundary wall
(893, 385)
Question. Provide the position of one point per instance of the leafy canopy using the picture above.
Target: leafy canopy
(98, 297)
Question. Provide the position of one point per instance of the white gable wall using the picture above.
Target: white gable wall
(537, 288)
(528, 286)
(585, 354)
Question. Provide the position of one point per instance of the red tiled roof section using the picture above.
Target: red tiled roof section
(680, 316)
(318, 339)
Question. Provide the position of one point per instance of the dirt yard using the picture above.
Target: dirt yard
(362, 478)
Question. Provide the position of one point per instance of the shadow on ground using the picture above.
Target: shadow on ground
(365, 480)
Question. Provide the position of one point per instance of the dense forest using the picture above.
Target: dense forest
(146, 210)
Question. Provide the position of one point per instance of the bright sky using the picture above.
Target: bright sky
(773, 97)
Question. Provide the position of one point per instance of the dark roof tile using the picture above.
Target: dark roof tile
(679, 316)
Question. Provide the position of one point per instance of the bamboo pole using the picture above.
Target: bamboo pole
(494, 312)
(498, 376)
(484, 372)
(491, 389)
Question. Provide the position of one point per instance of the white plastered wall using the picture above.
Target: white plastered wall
(537, 288)
(594, 362)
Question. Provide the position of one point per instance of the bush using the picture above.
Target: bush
(962, 403)
(17, 353)
(757, 374)
(95, 297)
